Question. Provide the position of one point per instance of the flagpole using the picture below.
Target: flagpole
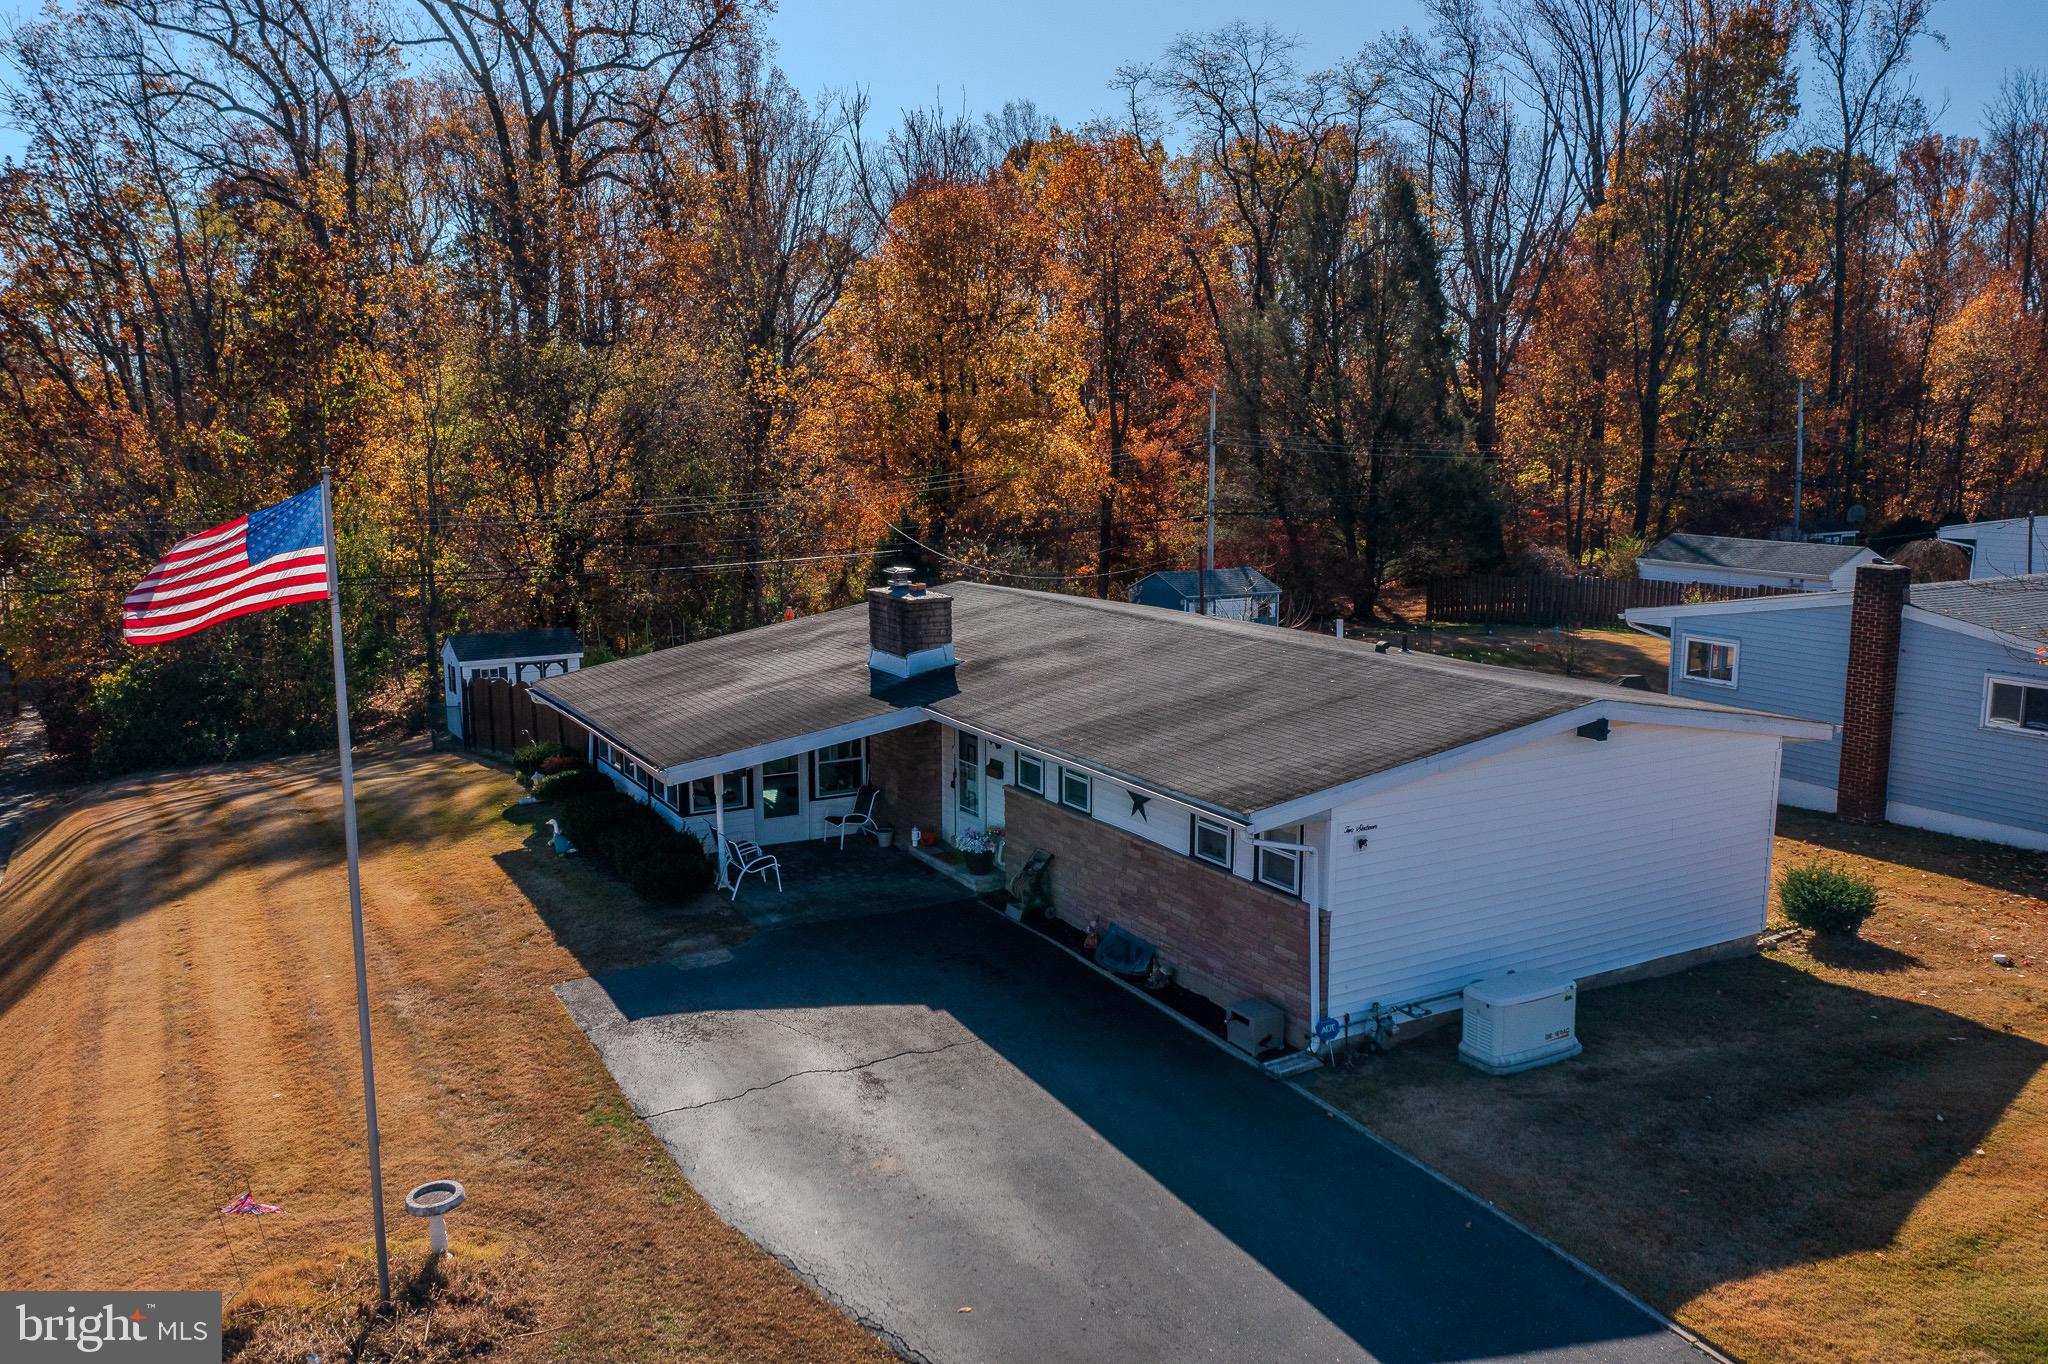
(355, 881)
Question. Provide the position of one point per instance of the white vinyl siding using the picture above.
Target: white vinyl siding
(1562, 854)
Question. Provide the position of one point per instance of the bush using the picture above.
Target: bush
(1827, 899)
(574, 781)
(566, 762)
(635, 842)
(528, 760)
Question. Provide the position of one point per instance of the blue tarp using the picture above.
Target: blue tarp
(1123, 953)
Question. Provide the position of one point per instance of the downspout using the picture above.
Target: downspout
(1312, 896)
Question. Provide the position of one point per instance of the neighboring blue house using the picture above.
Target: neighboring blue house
(1999, 549)
(1233, 593)
(1942, 719)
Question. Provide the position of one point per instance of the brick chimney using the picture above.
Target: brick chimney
(1868, 692)
(910, 629)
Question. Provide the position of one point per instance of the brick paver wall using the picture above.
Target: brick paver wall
(1225, 936)
(906, 764)
(1869, 690)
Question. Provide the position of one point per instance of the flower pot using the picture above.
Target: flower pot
(980, 863)
(885, 838)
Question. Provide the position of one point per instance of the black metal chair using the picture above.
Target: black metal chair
(860, 819)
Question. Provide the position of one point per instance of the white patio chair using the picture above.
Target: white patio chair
(745, 858)
(860, 819)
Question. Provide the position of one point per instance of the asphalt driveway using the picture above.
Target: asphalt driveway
(983, 1151)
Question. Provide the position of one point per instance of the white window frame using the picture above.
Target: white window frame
(859, 757)
(1228, 862)
(1260, 853)
(744, 776)
(1734, 648)
(1036, 786)
(1087, 805)
(2025, 684)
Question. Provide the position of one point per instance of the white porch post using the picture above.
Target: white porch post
(718, 818)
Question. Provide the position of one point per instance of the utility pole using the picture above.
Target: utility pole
(1799, 460)
(1209, 552)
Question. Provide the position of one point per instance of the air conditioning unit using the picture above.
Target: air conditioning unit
(1519, 1021)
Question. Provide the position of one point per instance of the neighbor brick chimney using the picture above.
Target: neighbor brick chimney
(1869, 690)
(910, 629)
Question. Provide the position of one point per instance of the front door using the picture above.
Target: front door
(967, 783)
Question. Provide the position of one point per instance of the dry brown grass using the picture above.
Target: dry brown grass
(1826, 1152)
(177, 1025)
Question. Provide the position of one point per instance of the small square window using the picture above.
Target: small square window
(1030, 774)
(1077, 792)
(1711, 661)
(1212, 841)
(1280, 868)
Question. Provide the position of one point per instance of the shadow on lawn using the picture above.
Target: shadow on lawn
(2014, 871)
(1742, 1117)
(280, 814)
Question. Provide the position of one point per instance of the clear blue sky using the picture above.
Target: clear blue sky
(1062, 53)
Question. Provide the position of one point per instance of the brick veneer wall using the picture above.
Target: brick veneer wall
(1868, 691)
(906, 764)
(1225, 936)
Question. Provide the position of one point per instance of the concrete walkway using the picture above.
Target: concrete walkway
(982, 1151)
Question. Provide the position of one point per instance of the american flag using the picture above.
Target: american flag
(268, 558)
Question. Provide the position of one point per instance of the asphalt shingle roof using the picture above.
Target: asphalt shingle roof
(542, 643)
(2013, 606)
(1235, 716)
(1223, 582)
(1761, 556)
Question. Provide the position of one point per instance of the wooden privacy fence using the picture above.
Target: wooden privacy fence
(1500, 600)
(501, 715)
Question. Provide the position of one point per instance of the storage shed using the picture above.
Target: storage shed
(1231, 593)
(516, 655)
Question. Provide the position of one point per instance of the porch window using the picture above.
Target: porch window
(1212, 839)
(838, 769)
(1711, 661)
(779, 788)
(1077, 791)
(2013, 704)
(1280, 868)
(1030, 774)
(739, 793)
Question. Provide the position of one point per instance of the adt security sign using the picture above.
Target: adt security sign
(1328, 1029)
(120, 1328)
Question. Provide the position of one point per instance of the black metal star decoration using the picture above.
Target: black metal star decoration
(1138, 805)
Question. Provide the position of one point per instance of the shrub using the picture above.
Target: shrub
(566, 762)
(574, 781)
(636, 843)
(527, 760)
(1827, 899)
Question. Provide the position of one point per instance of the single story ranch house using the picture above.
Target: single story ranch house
(1732, 561)
(1279, 814)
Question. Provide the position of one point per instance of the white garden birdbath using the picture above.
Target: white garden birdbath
(434, 1200)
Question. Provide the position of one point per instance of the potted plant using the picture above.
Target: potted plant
(978, 849)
